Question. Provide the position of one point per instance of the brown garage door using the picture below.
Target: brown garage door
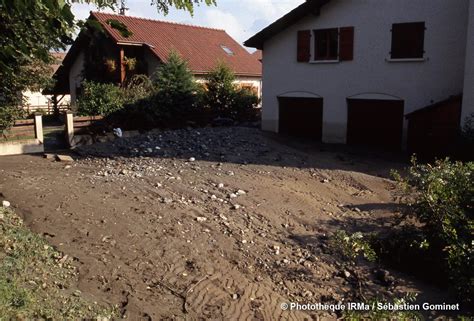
(375, 123)
(301, 117)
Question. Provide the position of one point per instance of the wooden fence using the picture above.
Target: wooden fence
(45, 109)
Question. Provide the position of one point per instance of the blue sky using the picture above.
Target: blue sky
(240, 18)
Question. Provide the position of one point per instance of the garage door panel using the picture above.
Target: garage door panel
(375, 123)
(301, 117)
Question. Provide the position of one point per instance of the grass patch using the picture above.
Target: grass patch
(35, 279)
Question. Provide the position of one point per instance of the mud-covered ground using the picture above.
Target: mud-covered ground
(213, 223)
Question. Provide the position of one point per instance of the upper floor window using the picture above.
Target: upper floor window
(335, 44)
(408, 40)
(326, 44)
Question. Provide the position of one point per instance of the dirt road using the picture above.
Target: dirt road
(216, 223)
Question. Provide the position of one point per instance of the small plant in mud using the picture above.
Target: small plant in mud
(440, 196)
(351, 246)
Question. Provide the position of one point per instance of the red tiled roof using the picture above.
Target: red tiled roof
(58, 59)
(200, 46)
(258, 54)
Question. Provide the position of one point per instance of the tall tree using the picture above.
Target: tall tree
(29, 30)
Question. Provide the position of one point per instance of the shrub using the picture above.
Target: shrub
(245, 105)
(220, 90)
(8, 115)
(351, 246)
(167, 100)
(441, 197)
(175, 92)
(139, 87)
(100, 99)
(223, 98)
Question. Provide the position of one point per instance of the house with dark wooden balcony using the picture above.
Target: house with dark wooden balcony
(113, 48)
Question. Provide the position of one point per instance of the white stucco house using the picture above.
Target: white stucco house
(148, 43)
(36, 101)
(351, 71)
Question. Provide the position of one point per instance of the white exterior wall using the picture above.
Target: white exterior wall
(36, 100)
(75, 76)
(468, 100)
(417, 83)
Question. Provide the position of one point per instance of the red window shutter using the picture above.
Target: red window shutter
(346, 43)
(303, 46)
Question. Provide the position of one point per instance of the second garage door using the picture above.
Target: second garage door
(301, 117)
(375, 123)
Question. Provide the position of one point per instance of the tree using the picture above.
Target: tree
(31, 29)
(224, 98)
(175, 89)
(220, 89)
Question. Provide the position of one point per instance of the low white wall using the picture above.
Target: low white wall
(18, 147)
(75, 76)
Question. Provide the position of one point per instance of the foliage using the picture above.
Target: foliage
(175, 89)
(137, 88)
(220, 89)
(441, 197)
(99, 99)
(36, 280)
(188, 5)
(222, 97)
(166, 100)
(245, 105)
(120, 27)
(351, 246)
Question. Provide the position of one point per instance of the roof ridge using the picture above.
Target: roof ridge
(156, 20)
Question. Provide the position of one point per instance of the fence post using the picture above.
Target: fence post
(69, 127)
(39, 127)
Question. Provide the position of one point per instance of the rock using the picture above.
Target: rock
(241, 192)
(325, 180)
(232, 195)
(384, 277)
(307, 294)
(201, 219)
(6, 204)
(192, 159)
(64, 158)
(149, 150)
(49, 156)
(235, 206)
(347, 274)
(213, 197)
(167, 200)
(235, 296)
(220, 185)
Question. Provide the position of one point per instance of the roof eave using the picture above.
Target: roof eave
(308, 7)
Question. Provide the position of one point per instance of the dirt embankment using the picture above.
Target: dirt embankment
(218, 223)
